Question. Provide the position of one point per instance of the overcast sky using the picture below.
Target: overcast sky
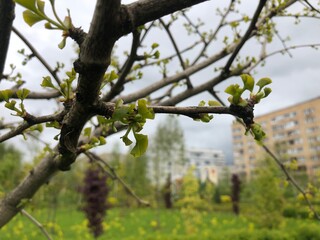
(295, 79)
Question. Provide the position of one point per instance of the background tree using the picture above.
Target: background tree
(10, 167)
(235, 193)
(94, 98)
(267, 200)
(166, 156)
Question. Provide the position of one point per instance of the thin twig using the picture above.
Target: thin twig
(292, 180)
(37, 223)
(214, 35)
(246, 36)
(30, 121)
(176, 48)
(118, 87)
(116, 176)
(37, 55)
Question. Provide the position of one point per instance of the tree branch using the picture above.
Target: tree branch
(37, 223)
(246, 36)
(144, 11)
(118, 87)
(6, 19)
(175, 46)
(117, 177)
(37, 55)
(29, 121)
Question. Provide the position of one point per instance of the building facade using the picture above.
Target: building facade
(207, 163)
(293, 134)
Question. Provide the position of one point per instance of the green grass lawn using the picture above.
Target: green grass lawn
(126, 224)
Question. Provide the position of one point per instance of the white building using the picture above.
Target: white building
(208, 163)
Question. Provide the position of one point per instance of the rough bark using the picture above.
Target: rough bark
(6, 20)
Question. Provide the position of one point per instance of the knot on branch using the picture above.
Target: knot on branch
(77, 34)
(244, 112)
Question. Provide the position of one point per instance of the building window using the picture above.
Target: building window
(290, 124)
(293, 132)
(310, 120)
(308, 111)
(237, 137)
(312, 129)
(315, 158)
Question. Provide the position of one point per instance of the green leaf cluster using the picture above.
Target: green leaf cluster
(36, 13)
(65, 88)
(22, 94)
(134, 116)
(255, 97)
(248, 84)
(205, 117)
(153, 53)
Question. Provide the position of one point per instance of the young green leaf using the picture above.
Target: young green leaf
(23, 93)
(62, 44)
(144, 111)
(154, 45)
(213, 103)
(28, 4)
(263, 82)
(40, 5)
(31, 18)
(248, 82)
(46, 82)
(102, 140)
(5, 95)
(206, 118)
(258, 132)
(11, 105)
(141, 145)
(87, 131)
(202, 103)
(126, 140)
(267, 91)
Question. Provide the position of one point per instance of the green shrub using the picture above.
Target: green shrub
(308, 232)
(295, 212)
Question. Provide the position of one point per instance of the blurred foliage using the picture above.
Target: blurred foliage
(267, 198)
(10, 167)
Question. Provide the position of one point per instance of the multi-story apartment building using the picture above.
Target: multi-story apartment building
(208, 163)
(293, 133)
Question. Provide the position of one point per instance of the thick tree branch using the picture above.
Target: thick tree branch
(144, 11)
(12, 203)
(6, 19)
(95, 55)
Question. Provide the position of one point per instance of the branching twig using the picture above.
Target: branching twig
(175, 46)
(118, 87)
(281, 51)
(214, 35)
(37, 55)
(116, 176)
(31, 121)
(6, 19)
(246, 36)
(36, 222)
(291, 179)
